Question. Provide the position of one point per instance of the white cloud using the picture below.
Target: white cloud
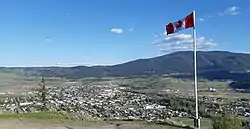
(33, 63)
(131, 29)
(155, 35)
(47, 39)
(59, 64)
(183, 42)
(233, 10)
(116, 30)
(69, 14)
(201, 19)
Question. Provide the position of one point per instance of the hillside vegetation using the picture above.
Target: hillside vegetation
(243, 84)
(211, 65)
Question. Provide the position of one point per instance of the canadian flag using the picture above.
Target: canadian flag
(185, 23)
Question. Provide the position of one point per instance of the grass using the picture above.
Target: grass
(205, 122)
(63, 119)
(244, 118)
(185, 87)
(16, 81)
(52, 118)
(155, 126)
(39, 115)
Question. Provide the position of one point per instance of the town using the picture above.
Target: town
(109, 100)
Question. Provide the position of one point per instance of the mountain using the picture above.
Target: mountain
(243, 84)
(178, 64)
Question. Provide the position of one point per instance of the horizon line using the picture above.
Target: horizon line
(106, 65)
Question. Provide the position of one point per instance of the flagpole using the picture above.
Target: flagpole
(197, 120)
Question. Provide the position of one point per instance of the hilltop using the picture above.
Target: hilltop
(210, 63)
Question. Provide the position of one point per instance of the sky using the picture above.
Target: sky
(107, 32)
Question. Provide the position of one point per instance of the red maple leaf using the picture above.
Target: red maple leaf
(179, 24)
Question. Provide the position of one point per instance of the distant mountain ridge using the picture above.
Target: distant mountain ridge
(243, 84)
(179, 62)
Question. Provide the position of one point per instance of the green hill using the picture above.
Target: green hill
(216, 62)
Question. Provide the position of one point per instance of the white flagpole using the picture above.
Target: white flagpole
(197, 120)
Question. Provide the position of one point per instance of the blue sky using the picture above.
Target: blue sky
(104, 32)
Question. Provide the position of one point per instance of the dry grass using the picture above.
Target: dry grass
(30, 124)
(55, 120)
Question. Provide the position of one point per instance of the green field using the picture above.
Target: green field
(16, 81)
(205, 123)
(184, 87)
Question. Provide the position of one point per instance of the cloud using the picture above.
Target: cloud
(58, 63)
(201, 19)
(69, 14)
(116, 30)
(182, 42)
(209, 16)
(155, 35)
(131, 29)
(48, 39)
(233, 10)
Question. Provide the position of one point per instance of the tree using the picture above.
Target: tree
(202, 110)
(43, 93)
(226, 122)
(246, 124)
